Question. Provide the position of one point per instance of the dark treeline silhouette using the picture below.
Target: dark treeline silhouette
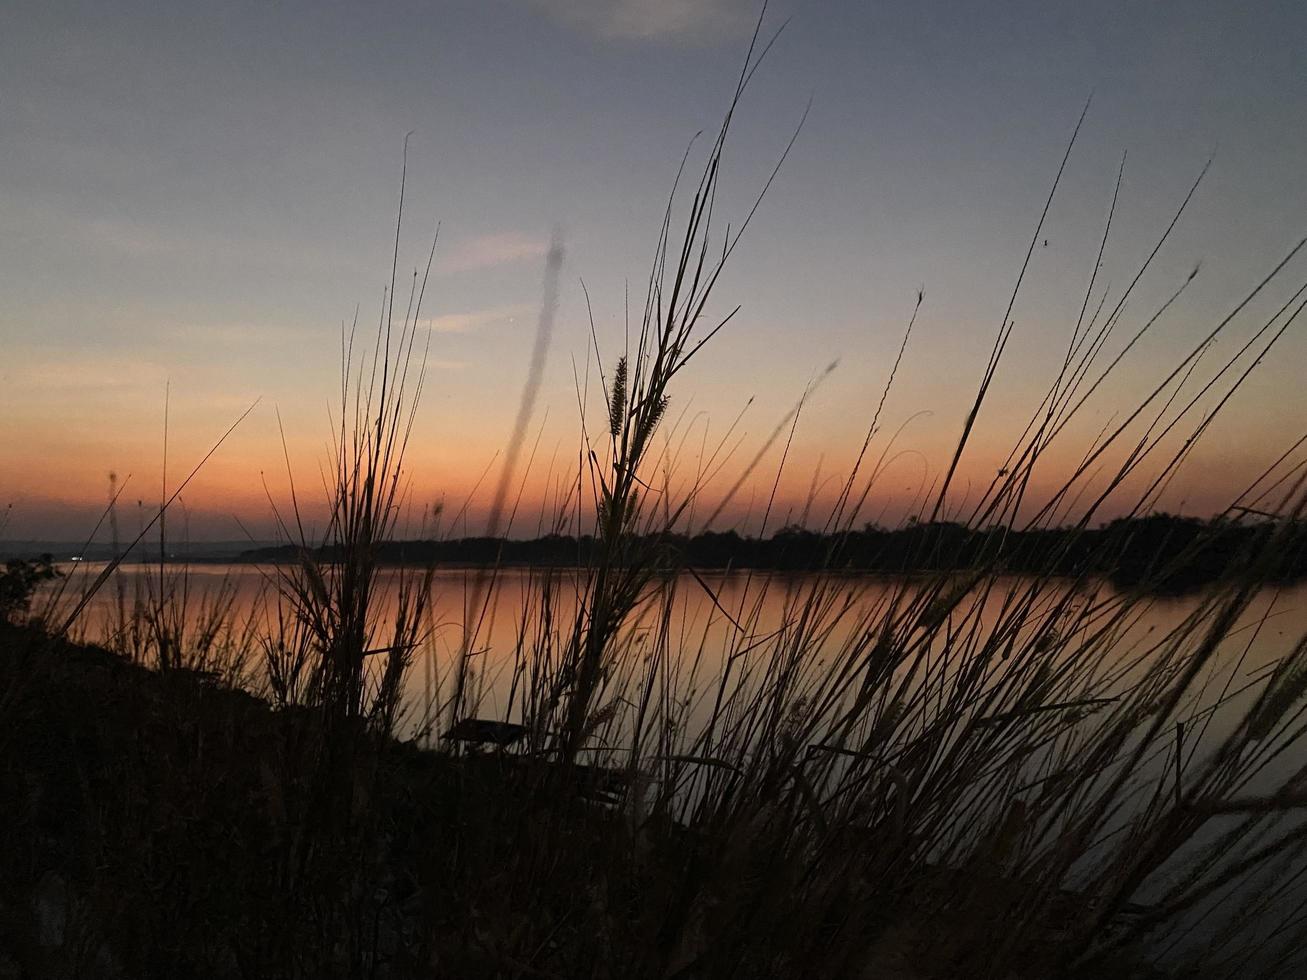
(1161, 552)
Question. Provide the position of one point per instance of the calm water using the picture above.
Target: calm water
(744, 610)
(731, 618)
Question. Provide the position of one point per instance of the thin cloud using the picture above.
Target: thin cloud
(88, 374)
(476, 320)
(488, 251)
(147, 241)
(243, 334)
(649, 20)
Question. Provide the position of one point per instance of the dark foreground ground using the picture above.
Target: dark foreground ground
(158, 825)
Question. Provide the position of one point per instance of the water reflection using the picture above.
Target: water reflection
(709, 622)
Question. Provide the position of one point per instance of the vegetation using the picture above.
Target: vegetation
(1160, 553)
(969, 775)
(19, 580)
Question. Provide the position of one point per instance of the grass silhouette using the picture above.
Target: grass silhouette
(970, 774)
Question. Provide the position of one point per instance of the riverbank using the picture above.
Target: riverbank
(1159, 553)
(161, 824)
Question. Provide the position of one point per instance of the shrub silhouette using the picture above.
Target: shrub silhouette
(19, 580)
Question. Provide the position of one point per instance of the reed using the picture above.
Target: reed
(963, 772)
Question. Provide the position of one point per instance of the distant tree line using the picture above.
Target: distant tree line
(1160, 552)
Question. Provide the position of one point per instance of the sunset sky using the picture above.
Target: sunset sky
(194, 197)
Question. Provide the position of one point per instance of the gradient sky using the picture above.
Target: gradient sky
(197, 195)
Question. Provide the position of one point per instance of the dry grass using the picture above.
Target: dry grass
(967, 774)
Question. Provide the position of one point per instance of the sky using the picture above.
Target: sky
(194, 197)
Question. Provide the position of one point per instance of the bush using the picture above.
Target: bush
(19, 581)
